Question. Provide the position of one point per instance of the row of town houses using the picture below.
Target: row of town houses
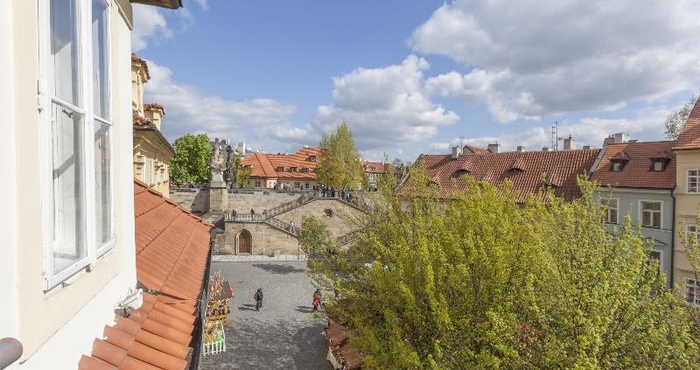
(656, 183)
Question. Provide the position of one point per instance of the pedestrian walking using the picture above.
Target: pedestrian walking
(317, 299)
(292, 228)
(258, 297)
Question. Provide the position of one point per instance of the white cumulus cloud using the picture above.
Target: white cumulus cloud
(385, 107)
(191, 110)
(149, 24)
(530, 58)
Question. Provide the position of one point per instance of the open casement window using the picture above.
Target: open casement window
(76, 151)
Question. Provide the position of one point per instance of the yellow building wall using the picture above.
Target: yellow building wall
(151, 160)
(686, 211)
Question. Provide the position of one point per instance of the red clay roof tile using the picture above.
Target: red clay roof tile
(637, 172)
(172, 252)
(528, 171)
(690, 136)
(94, 363)
(265, 166)
(136, 60)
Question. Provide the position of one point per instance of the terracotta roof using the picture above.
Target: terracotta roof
(140, 121)
(172, 253)
(267, 165)
(338, 339)
(528, 171)
(637, 173)
(690, 136)
(136, 60)
(372, 167)
(474, 150)
(154, 106)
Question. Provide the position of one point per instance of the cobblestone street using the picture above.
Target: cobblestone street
(285, 333)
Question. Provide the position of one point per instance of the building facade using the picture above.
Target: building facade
(637, 180)
(68, 225)
(283, 171)
(687, 151)
(152, 151)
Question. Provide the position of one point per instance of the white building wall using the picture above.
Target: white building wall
(57, 327)
(9, 326)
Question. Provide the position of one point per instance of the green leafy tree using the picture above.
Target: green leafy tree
(676, 121)
(339, 162)
(241, 174)
(482, 282)
(191, 160)
(314, 237)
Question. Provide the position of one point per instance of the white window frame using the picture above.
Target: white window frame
(46, 99)
(607, 210)
(695, 286)
(661, 213)
(696, 177)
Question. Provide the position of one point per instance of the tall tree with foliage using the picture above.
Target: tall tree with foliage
(481, 282)
(191, 160)
(339, 162)
(676, 121)
(241, 174)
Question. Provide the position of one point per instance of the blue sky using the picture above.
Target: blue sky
(412, 77)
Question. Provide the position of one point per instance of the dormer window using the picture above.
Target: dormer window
(280, 169)
(312, 158)
(619, 161)
(660, 160)
(305, 170)
(657, 166)
(294, 169)
(460, 173)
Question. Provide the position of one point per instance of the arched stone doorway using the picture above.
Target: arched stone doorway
(244, 240)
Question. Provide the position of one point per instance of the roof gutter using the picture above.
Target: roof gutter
(169, 4)
(673, 235)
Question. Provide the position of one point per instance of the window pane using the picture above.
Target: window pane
(103, 175)
(651, 206)
(68, 192)
(65, 51)
(100, 58)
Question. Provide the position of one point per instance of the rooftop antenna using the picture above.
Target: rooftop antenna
(555, 135)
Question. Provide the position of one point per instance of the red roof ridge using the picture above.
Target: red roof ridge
(690, 136)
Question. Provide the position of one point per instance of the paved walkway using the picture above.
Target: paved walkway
(285, 333)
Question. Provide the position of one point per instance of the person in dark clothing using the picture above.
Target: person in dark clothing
(258, 296)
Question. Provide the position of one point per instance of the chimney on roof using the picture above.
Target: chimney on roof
(456, 152)
(586, 147)
(494, 148)
(154, 112)
(569, 143)
(616, 138)
(520, 148)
